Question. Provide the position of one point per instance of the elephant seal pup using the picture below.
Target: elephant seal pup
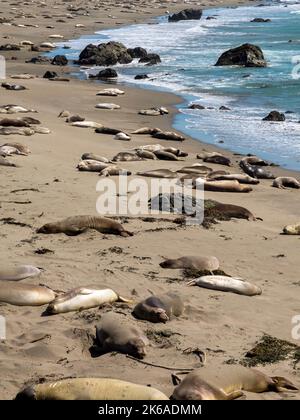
(14, 109)
(146, 130)
(227, 383)
(21, 294)
(168, 135)
(227, 284)
(223, 186)
(218, 159)
(86, 124)
(107, 106)
(255, 171)
(22, 131)
(159, 173)
(41, 130)
(110, 92)
(75, 225)
(161, 308)
(4, 162)
(192, 262)
(122, 136)
(20, 272)
(24, 150)
(292, 229)
(241, 178)
(113, 170)
(146, 154)
(100, 389)
(283, 182)
(9, 150)
(92, 156)
(91, 165)
(75, 118)
(114, 334)
(83, 298)
(163, 155)
(126, 157)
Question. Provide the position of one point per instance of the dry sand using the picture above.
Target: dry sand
(223, 325)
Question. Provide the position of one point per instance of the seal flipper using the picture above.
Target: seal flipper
(75, 230)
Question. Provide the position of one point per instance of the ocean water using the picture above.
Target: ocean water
(189, 51)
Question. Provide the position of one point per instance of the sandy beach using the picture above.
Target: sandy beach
(46, 187)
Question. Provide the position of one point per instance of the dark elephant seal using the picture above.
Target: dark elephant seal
(159, 308)
(192, 262)
(13, 122)
(114, 334)
(76, 225)
(108, 130)
(227, 383)
(219, 159)
(168, 135)
(255, 171)
(163, 155)
(126, 157)
(283, 182)
(230, 211)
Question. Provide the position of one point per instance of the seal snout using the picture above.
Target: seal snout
(27, 394)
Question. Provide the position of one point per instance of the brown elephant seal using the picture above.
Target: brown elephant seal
(192, 262)
(254, 160)
(199, 169)
(168, 135)
(230, 211)
(90, 165)
(92, 156)
(223, 186)
(227, 284)
(241, 178)
(126, 157)
(24, 150)
(75, 118)
(83, 298)
(255, 171)
(227, 383)
(159, 173)
(13, 122)
(283, 182)
(146, 154)
(146, 130)
(108, 130)
(99, 389)
(21, 294)
(114, 170)
(163, 155)
(114, 334)
(292, 229)
(205, 155)
(176, 152)
(18, 272)
(159, 308)
(5, 162)
(22, 131)
(218, 159)
(76, 225)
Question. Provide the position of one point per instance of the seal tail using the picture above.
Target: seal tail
(126, 233)
(124, 300)
(282, 384)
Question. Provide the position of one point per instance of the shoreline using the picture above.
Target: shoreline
(47, 187)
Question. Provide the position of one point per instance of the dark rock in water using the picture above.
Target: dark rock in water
(210, 18)
(245, 76)
(60, 60)
(141, 76)
(260, 20)
(10, 47)
(108, 54)
(196, 106)
(246, 55)
(274, 116)
(105, 74)
(224, 108)
(187, 14)
(289, 112)
(40, 59)
(137, 52)
(50, 74)
(150, 59)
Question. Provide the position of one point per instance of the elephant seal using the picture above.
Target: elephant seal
(4, 162)
(41, 130)
(64, 114)
(113, 170)
(146, 130)
(254, 160)
(205, 155)
(292, 229)
(107, 106)
(231, 211)
(91, 165)
(9, 86)
(192, 262)
(9, 150)
(241, 178)
(159, 173)
(255, 171)
(227, 383)
(86, 124)
(168, 135)
(199, 169)
(176, 152)
(151, 147)
(283, 182)
(99, 389)
(110, 92)
(155, 112)
(108, 130)
(126, 157)
(75, 118)
(114, 334)
(19, 272)
(159, 308)
(24, 150)
(122, 136)
(223, 186)
(146, 154)
(163, 155)
(21, 294)
(92, 156)
(22, 131)
(83, 298)
(75, 225)
(218, 159)
(24, 76)
(13, 122)
(14, 109)
(227, 284)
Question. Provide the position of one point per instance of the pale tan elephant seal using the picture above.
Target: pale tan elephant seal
(115, 334)
(92, 156)
(227, 284)
(227, 383)
(5, 162)
(160, 308)
(22, 294)
(283, 182)
(76, 225)
(24, 150)
(100, 389)
(192, 262)
(18, 272)
(223, 186)
(292, 229)
(91, 165)
(241, 178)
(159, 173)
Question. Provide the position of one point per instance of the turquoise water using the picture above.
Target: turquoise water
(189, 51)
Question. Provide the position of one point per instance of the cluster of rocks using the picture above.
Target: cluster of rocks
(246, 55)
(112, 53)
